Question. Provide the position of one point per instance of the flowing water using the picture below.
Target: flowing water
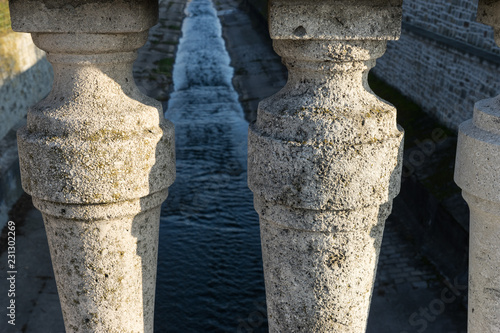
(209, 269)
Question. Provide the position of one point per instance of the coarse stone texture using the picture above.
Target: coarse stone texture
(324, 164)
(445, 60)
(97, 156)
(477, 172)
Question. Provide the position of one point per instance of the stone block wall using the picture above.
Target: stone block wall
(25, 79)
(445, 61)
(455, 19)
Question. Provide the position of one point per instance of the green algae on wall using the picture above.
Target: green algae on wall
(4, 17)
(17, 54)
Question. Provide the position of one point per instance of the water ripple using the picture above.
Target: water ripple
(209, 271)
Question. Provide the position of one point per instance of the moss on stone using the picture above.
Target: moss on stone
(165, 66)
(4, 17)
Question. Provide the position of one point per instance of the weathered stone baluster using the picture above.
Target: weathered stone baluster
(97, 156)
(477, 172)
(324, 164)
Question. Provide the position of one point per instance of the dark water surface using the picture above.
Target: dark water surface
(209, 267)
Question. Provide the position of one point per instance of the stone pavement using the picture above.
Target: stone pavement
(409, 295)
(37, 304)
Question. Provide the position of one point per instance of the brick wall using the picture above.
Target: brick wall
(452, 18)
(445, 61)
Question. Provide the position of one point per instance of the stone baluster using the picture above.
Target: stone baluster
(97, 157)
(325, 163)
(477, 172)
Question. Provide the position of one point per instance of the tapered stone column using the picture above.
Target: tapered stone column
(97, 156)
(325, 164)
(477, 172)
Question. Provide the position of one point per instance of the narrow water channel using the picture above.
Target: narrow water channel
(209, 269)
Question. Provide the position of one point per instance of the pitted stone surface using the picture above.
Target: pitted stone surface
(95, 138)
(340, 20)
(105, 271)
(97, 156)
(308, 176)
(478, 153)
(484, 279)
(324, 165)
(319, 282)
(83, 16)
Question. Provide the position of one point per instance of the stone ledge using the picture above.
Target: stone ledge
(453, 43)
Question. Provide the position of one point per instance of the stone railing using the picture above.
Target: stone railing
(324, 165)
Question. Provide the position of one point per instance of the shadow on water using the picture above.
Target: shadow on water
(209, 271)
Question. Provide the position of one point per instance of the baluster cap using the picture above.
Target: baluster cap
(83, 16)
(335, 19)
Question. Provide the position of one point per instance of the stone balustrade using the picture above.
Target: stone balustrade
(97, 156)
(324, 161)
(324, 164)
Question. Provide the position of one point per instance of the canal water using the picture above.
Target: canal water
(210, 275)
